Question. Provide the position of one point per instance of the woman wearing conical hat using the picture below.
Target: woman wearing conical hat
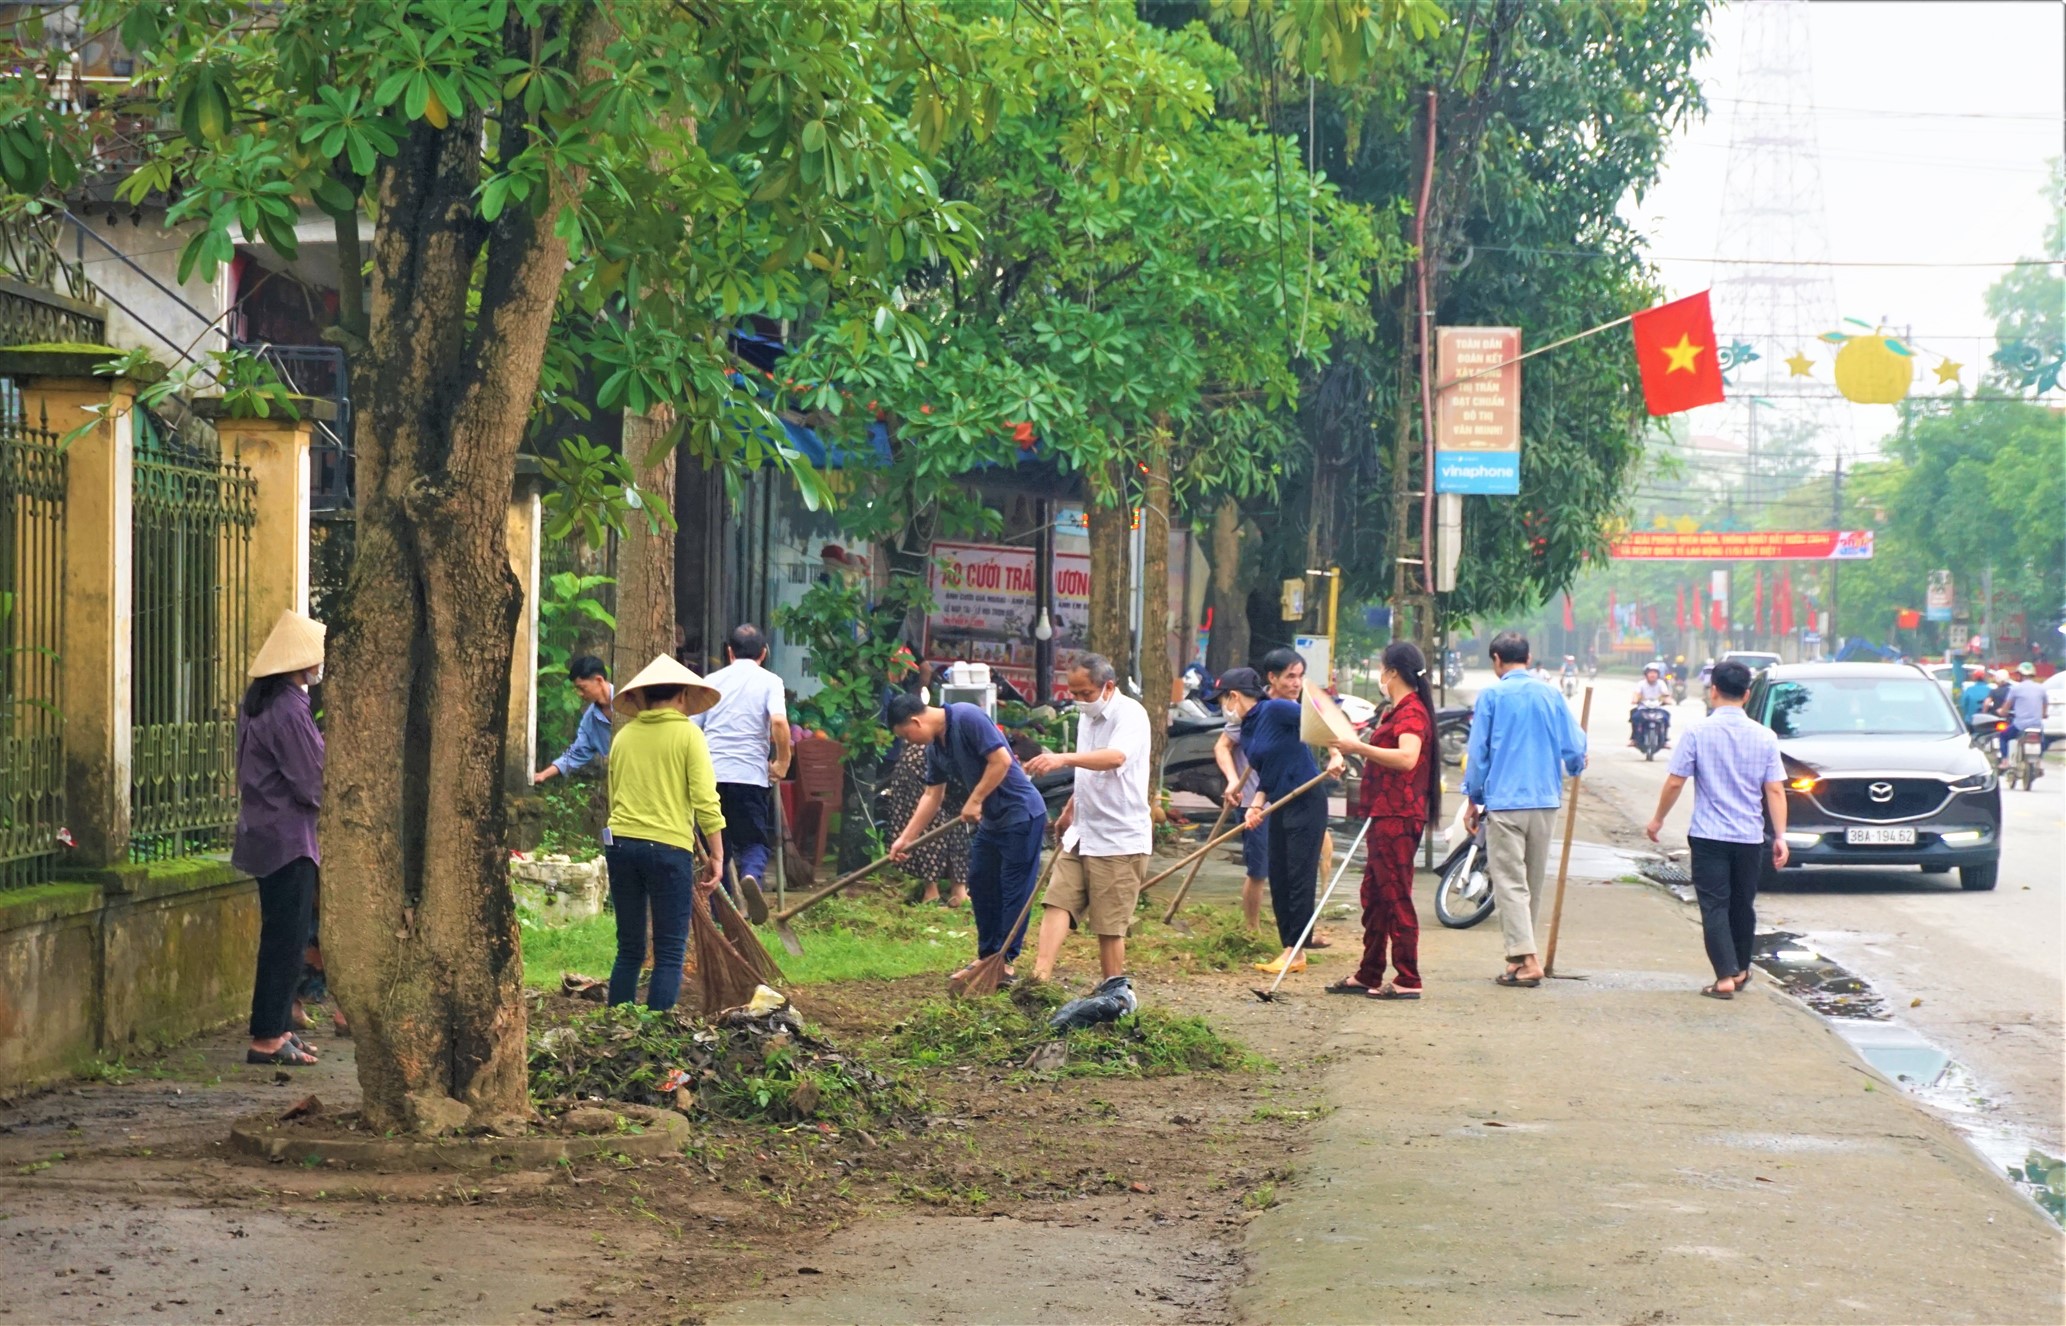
(279, 791)
(663, 791)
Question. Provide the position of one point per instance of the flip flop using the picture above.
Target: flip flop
(1510, 979)
(1395, 993)
(1742, 980)
(288, 1055)
(1317, 942)
(1716, 992)
(1347, 986)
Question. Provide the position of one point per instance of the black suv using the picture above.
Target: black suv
(1880, 770)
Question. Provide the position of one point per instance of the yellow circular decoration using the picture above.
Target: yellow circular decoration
(1871, 372)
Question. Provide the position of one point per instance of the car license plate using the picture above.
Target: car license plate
(1880, 837)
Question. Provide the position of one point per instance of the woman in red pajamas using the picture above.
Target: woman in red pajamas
(1402, 783)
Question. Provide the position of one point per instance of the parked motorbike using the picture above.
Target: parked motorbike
(1187, 763)
(1463, 889)
(1650, 728)
(1452, 668)
(1453, 731)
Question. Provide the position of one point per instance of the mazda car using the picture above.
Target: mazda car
(1880, 770)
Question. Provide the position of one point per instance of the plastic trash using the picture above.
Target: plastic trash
(1108, 1003)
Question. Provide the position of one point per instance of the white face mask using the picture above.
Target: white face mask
(1094, 708)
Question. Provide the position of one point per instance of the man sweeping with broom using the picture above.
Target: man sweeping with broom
(1010, 818)
(663, 792)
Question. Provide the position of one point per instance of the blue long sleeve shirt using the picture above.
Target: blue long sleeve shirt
(591, 741)
(1524, 739)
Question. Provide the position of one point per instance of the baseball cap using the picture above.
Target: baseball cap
(1245, 680)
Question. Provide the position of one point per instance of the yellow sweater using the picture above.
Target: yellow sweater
(660, 772)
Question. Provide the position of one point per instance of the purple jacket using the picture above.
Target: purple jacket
(279, 785)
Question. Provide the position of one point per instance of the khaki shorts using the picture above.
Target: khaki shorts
(1104, 887)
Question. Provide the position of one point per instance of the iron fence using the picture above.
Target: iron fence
(32, 569)
(193, 516)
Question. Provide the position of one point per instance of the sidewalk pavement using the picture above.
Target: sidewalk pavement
(1619, 1149)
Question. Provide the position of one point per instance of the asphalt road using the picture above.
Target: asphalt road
(1980, 974)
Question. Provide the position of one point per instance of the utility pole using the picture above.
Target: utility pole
(1836, 505)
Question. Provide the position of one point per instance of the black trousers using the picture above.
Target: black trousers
(1295, 835)
(286, 901)
(1725, 879)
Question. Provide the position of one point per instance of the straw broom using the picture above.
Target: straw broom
(982, 978)
(724, 976)
(741, 935)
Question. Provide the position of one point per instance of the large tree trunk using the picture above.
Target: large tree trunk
(1111, 583)
(645, 556)
(1226, 646)
(418, 926)
(1158, 675)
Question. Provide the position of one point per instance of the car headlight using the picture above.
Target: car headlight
(1803, 839)
(1802, 784)
(1979, 782)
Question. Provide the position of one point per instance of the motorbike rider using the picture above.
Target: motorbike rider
(2025, 708)
(1652, 692)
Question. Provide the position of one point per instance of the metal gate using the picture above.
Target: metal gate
(32, 572)
(193, 516)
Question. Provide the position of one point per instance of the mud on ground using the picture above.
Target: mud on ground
(1019, 1198)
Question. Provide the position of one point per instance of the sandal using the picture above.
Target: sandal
(1394, 992)
(1347, 986)
(298, 1043)
(289, 1055)
(1715, 991)
(1514, 979)
(1742, 979)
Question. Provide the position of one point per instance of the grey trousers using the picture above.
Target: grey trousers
(1517, 844)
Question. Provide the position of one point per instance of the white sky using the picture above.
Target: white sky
(1936, 121)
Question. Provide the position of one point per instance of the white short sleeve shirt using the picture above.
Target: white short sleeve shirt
(1111, 816)
(749, 698)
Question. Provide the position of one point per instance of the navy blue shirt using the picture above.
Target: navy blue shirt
(1269, 738)
(963, 753)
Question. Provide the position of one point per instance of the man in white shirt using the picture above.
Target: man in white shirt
(1652, 692)
(748, 732)
(1107, 831)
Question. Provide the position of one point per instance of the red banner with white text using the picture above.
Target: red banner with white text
(1726, 545)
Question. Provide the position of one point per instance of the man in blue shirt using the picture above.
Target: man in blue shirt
(1004, 858)
(1737, 780)
(1523, 741)
(592, 734)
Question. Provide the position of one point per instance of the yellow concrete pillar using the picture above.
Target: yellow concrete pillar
(275, 450)
(65, 397)
(525, 535)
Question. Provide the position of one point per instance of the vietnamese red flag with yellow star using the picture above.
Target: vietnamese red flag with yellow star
(1675, 350)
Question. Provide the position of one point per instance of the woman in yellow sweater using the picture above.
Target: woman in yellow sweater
(663, 793)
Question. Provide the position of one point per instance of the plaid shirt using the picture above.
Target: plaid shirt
(1730, 759)
(1399, 793)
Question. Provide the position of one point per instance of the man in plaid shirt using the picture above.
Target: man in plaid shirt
(1735, 765)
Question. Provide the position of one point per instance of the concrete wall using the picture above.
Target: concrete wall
(128, 959)
(141, 314)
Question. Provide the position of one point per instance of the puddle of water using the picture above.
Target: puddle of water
(1816, 981)
(1924, 1069)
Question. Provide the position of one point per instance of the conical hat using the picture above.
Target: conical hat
(667, 670)
(296, 643)
(1321, 721)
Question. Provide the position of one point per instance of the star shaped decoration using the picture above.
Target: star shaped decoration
(1800, 366)
(1947, 370)
(1682, 354)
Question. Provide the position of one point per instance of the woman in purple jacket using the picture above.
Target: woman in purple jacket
(279, 790)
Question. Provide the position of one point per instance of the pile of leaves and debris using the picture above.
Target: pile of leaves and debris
(752, 1065)
(1012, 1030)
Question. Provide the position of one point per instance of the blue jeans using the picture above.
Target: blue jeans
(648, 875)
(1003, 864)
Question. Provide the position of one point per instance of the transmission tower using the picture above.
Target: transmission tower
(1772, 289)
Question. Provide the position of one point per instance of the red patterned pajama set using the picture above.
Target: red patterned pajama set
(1397, 803)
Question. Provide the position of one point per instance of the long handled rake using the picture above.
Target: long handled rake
(788, 914)
(1270, 995)
(1169, 916)
(982, 978)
